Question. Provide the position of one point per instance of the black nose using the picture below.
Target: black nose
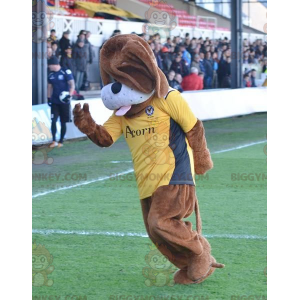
(116, 87)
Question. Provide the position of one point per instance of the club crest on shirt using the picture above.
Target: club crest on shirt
(149, 110)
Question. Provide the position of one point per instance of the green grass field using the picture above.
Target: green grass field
(91, 258)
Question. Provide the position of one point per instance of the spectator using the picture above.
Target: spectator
(116, 32)
(223, 67)
(177, 81)
(201, 63)
(226, 80)
(90, 56)
(67, 61)
(49, 43)
(192, 82)
(166, 59)
(82, 35)
(55, 50)
(253, 77)
(246, 81)
(185, 55)
(170, 77)
(179, 66)
(64, 43)
(52, 36)
(49, 53)
(208, 76)
(168, 44)
(196, 62)
(80, 59)
(215, 70)
(157, 47)
(264, 65)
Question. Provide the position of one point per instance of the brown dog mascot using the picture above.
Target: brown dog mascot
(167, 145)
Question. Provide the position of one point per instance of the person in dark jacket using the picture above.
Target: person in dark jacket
(179, 66)
(253, 77)
(201, 63)
(226, 80)
(67, 61)
(90, 56)
(166, 60)
(157, 55)
(209, 71)
(55, 50)
(64, 43)
(80, 58)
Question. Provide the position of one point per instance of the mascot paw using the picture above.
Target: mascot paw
(83, 119)
(203, 162)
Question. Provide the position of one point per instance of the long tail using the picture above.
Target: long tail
(198, 218)
(199, 230)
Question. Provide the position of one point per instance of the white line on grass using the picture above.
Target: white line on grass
(135, 234)
(131, 170)
(240, 147)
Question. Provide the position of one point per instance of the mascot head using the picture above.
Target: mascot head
(130, 75)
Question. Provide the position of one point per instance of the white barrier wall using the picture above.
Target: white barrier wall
(206, 105)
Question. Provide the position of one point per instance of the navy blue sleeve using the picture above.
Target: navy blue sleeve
(69, 75)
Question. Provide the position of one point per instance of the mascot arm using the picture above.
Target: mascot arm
(197, 141)
(179, 110)
(85, 123)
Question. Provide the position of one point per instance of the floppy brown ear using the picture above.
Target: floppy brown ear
(130, 60)
(140, 55)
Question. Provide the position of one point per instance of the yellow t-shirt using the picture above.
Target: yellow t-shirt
(160, 151)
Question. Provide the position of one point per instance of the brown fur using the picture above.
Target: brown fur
(197, 141)
(163, 215)
(85, 123)
(130, 60)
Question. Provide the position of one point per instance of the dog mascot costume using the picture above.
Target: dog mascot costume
(167, 145)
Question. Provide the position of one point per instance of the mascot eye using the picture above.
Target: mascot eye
(155, 259)
(164, 137)
(43, 259)
(34, 15)
(33, 259)
(155, 137)
(155, 16)
(164, 259)
(165, 16)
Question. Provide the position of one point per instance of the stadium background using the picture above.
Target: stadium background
(99, 245)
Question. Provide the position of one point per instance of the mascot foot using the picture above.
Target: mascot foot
(181, 276)
(201, 266)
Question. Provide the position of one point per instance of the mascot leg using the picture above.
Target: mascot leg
(163, 216)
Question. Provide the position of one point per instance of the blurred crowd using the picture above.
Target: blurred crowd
(188, 63)
(195, 64)
(77, 57)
